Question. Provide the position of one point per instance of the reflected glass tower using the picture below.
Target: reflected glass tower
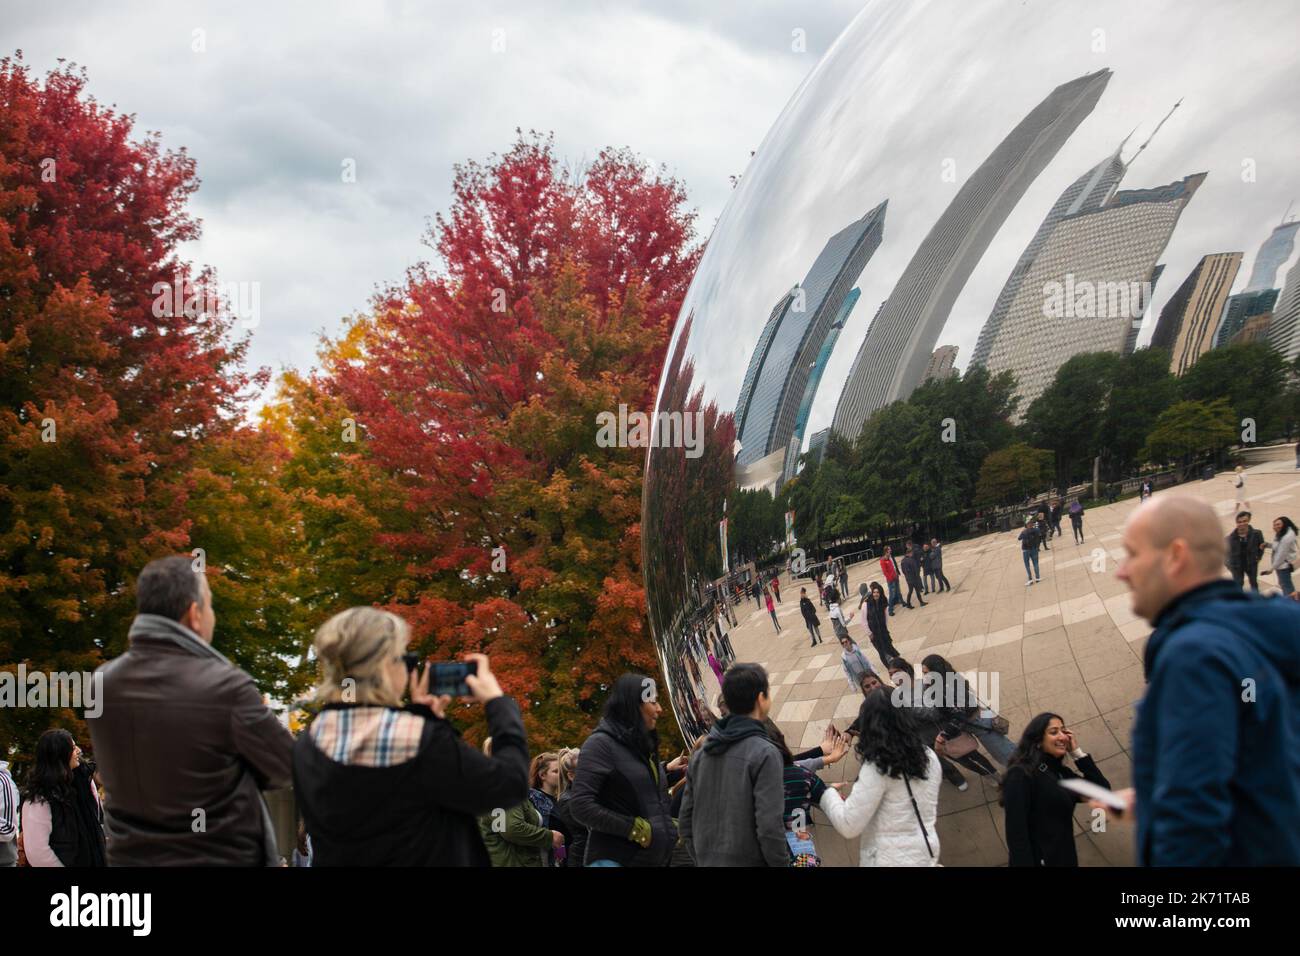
(897, 346)
(1284, 333)
(814, 380)
(817, 444)
(791, 352)
(1272, 256)
(1239, 310)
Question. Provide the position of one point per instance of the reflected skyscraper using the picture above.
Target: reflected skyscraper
(941, 363)
(1272, 256)
(1088, 286)
(1255, 329)
(814, 380)
(1240, 309)
(817, 445)
(1190, 318)
(1135, 327)
(1284, 333)
(1088, 193)
(791, 351)
(897, 346)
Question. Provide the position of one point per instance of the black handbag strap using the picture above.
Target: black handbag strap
(917, 810)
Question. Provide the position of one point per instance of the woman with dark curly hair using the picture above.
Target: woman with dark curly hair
(963, 711)
(1039, 811)
(893, 803)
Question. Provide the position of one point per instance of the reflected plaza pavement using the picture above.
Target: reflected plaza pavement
(1070, 645)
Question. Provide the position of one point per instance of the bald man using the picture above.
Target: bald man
(1216, 743)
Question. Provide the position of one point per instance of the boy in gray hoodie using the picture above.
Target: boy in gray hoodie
(735, 795)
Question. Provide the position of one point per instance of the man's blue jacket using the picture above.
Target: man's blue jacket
(1216, 742)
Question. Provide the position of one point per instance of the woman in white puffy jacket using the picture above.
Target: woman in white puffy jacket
(893, 803)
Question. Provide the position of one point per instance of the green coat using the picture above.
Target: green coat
(519, 839)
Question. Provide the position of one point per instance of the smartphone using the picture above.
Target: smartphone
(1091, 791)
(448, 678)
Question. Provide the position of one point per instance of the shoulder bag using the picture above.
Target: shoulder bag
(917, 810)
(959, 745)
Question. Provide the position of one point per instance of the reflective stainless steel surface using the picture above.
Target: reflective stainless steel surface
(939, 170)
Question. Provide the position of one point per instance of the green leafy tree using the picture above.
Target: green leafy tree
(1191, 428)
(1141, 389)
(756, 524)
(1013, 473)
(1067, 417)
(1252, 377)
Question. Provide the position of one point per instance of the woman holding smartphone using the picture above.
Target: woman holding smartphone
(1039, 811)
(382, 784)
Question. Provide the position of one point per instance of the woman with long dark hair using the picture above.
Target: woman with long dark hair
(926, 720)
(964, 712)
(621, 789)
(876, 617)
(1286, 553)
(893, 803)
(63, 822)
(1039, 811)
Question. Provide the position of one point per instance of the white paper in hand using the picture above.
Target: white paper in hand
(1090, 791)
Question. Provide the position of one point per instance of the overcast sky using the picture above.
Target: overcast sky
(282, 94)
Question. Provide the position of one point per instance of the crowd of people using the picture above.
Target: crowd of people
(184, 747)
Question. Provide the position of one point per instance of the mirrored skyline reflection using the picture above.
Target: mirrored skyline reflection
(906, 107)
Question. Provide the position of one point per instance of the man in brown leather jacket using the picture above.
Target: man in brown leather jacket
(184, 743)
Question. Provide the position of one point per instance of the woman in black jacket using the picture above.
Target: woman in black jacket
(621, 790)
(877, 605)
(1039, 811)
(62, 819)
(810, 617)
(380, 784)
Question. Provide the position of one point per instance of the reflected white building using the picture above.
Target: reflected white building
(1088, 193)
(1097, 266)
(1272, 256)
(1284, 333)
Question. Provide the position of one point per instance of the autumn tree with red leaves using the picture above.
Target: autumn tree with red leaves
(476, 384)
(104, 397)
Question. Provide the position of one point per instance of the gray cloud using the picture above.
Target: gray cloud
(281, 96)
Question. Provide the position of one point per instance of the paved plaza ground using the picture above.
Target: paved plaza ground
(1070, 644)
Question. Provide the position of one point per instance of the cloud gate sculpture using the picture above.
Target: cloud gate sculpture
(955, 172)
